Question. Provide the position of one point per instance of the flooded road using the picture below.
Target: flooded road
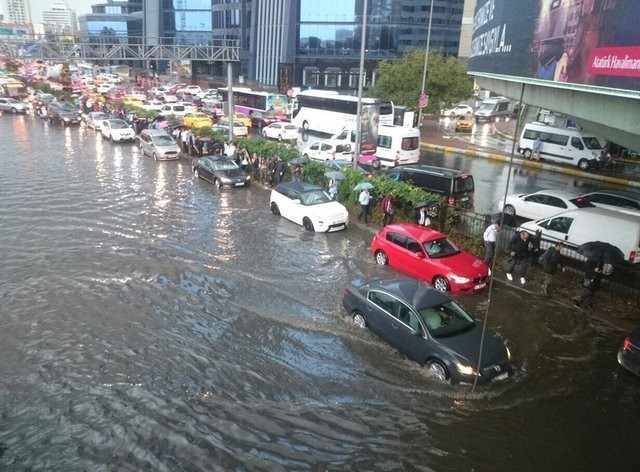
(152, 322)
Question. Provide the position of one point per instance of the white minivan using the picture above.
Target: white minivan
(561, 145)
(576, 227)
(398, 145)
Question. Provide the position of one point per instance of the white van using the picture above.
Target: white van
(576, 227)
(398, 145)
(561, 145)
(494, 108)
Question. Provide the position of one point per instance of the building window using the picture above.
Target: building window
(333, 77)
(311, 76)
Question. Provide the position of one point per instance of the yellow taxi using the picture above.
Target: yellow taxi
(133, 101)
(197, 120)
(242, 118)
(465, 122)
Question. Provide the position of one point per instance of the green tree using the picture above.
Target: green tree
(400, 81)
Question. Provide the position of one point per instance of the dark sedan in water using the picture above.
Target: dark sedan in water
(629, 352)
(429, 328)
(221, 172)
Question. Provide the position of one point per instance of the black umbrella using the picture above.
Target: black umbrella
(509, 220)
(599, 251)
(424, 203)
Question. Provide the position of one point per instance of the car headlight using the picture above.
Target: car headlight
(225, 179)
(465, 369)
(506, 347)
(248, 177)
(65, 119)
(460, 280)
(489, 272)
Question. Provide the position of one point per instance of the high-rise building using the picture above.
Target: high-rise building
(60, 18)
(113, 19)
(16, 11)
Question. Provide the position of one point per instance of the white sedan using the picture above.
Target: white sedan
(542, 204)
(152, 105)
(190, 89)
(238, 128)
(308, 205)
(458, 110)
(328, 151)
(95, 118)
(280, 131)
(117, 130)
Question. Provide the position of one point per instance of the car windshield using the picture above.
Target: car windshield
(315, 197)
(118, 124)
(99, 116)
(290, 127)
(442, 247)
(163, 140)
(224, 165)
(447, 319)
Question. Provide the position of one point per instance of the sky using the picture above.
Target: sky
(80, 6)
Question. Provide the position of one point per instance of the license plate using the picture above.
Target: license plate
(239, 184)
(502, 376)
(479, 286)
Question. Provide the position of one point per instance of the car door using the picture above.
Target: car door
(206, 170)
(534, 206)
(326, 152)
(314, 151)
(296, 209)
(105, 128)
(378, 312)
(556, 229)
(408, 333)
(554, 205)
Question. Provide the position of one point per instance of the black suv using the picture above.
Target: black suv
(63, 113)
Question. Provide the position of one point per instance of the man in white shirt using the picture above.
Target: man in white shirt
(490, 237)
(364, 198)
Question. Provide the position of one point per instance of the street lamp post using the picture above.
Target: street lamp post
(363, 39)
(424, 71)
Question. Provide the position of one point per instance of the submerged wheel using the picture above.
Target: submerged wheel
(583, 164)
(155, 156)
(274, 209)
(381, 258)
(359, 320)
(308, 225)
(440, 284)
(217, 183)
(305, 125)
(439, 371)
(509, 210)
(376, 165)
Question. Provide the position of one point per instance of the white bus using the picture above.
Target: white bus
(330, 112)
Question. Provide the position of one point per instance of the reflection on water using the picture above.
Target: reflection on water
(153, 322)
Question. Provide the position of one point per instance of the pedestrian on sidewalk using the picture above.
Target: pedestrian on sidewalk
(521, 247)
(364, 199)
(490, 236)
(590, 284)
(550, 260)
(537, 147)
(387, 209)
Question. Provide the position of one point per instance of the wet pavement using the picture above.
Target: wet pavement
(152, 322)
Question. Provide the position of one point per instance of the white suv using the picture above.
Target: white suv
(308, 205)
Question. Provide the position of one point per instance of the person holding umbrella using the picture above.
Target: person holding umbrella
(364, 198)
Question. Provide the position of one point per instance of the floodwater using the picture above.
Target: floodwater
(152, 322)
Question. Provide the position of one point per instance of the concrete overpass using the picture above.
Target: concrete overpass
(120, 48)
(613, 114)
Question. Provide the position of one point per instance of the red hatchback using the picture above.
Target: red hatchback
(431, 256)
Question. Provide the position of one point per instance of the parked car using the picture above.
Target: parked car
(280, 131)
(431, 256)
(116, 130)
(629, 352)
(13, 106)
(158, 144)
(458, 110)
(173, 88)
(308, 205)
(625, 201)
(465, 123)
(429, 328)
(205, 92)
(189, 89)
(43, 99)
(63, 113)
(244, 119)
(197, 120)
(260, 120)
(342, 164)
(238, 128)
(175, 109)
(327, 151)
(152, 105)
(221, 172)
(95, 118)
(542, 204)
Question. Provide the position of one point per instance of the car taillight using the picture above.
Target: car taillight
(452, 200)
(626, 345)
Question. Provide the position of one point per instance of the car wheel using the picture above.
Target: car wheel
(376, 165)
(111, 139)
(274, 209)
(439, 371)
(155, 156)
(509, 210)
(583, 164)
(264, 134)
(280, 138)
(381, 258)
(453, 114)
(305, 125)
(440, 284)
(527, 153)
(307, 224)
(217, 183)
(14, 111)
(359, 320)
(196, 174)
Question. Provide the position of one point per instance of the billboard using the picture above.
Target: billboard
(589, 42)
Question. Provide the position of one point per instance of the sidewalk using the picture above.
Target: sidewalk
(432, 137)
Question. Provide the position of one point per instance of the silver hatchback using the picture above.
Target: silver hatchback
(158, 144)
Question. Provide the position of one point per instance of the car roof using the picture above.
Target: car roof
(411, 291)
(155, 132)
(414, 231)
(618, 193)
(432, 170)
(299, 186)
(556, 193)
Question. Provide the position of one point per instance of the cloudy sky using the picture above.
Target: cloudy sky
(80, 6)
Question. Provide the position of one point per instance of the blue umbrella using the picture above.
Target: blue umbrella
(363, 186)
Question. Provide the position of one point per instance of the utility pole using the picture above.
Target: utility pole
(423, 97)
(363, 39)
(231, 111)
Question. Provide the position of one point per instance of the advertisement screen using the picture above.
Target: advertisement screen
(589, 42)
